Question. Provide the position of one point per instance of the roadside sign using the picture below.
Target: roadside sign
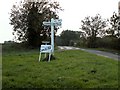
(45, 48)
(52, 23)
(47, 23)
(56, 22)
(50, 48)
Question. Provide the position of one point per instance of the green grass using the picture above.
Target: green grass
(0, 66)
(71, 69)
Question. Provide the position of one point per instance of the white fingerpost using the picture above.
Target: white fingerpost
(50, 48)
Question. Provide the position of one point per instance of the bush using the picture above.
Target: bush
(108, 42)
(13, 47)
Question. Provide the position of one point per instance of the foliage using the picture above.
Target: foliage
(107, 42)
(93, 27)
(114, 31)
(82, 42)
(71, 69)
(68, 38)
(111, 40)
(27, 19)
(9, 47)
(58, 41)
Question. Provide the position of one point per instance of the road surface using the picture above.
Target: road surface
(100, 53)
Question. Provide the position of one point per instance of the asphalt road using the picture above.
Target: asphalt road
(100, 53)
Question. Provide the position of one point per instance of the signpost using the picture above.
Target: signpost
(50, 48)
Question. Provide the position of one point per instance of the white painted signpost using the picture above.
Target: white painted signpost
(50, 48)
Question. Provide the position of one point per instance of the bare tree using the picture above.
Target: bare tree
(93, 27)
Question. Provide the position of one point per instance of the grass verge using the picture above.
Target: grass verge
(71, 69)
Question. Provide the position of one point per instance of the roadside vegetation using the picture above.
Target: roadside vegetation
(95, 32)
(70, 69)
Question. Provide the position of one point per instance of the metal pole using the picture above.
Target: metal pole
(52, 34)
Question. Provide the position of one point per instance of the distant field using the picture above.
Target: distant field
(71, 69)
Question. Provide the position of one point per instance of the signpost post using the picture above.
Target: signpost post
(52, 34)
(44, 48)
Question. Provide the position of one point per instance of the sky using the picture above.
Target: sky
(74, 12)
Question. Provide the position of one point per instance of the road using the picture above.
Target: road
(100, 53)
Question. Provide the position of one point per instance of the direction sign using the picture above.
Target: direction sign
(56, 22)
(47, 23)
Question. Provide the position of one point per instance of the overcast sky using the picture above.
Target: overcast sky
(74, 12)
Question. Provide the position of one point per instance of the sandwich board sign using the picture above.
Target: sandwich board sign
(45, 48)
(50, 48)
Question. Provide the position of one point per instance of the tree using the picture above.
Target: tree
(114, 31)
(27, 19)
(114, 21)
(93, 27)
(68, 37)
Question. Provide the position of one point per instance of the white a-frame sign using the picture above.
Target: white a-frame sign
(50, 48)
